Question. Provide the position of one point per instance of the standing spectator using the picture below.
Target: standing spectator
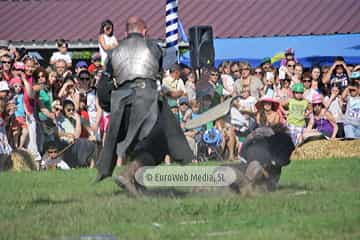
(227, 80)
(7, 65)
(4, 47)
(5, 147)
(173, 86)
(107, 40)
(247, 80)
(4, 89)
(62, 53)
(95, 65)
(334, 105)
(190, 86)
(289, 55)
(290, 71)
(309, 91)
(296, 113)
(235, 71)
(68, 91)
(80, 65)
(20, 122)
(265, 64)
(351, 96)
(338, 74)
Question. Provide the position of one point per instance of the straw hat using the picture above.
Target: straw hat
(275, 104)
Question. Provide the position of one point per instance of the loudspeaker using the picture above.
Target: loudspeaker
(201, 45)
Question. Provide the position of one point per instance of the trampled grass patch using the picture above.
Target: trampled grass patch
(316, 200)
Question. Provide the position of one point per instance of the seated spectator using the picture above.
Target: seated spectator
(321, 119)
(351, 96)
(267, 112)
(69, 124)
(62, 53)
(52, 159)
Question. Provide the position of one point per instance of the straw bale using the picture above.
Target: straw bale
(318, 149)
(22, 160)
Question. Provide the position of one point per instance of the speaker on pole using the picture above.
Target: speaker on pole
(201, 44)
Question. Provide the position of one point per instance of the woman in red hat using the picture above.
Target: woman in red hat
(267, 112)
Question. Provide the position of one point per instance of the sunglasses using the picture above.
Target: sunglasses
(6, 62)
(298, 92)
(214, 74)
(306, 80)
(352, 89)
(256, 72)
(84, 78)
(290, 65)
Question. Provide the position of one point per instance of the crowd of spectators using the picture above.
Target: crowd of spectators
(52, 110)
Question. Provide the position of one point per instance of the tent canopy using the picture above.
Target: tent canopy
(309, 50)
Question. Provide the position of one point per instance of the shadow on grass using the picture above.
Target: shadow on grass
(49, 201)
(294, 187)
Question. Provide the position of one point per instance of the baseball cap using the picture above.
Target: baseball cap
(4, 86)
(355, 75)
(81, 64)
(183, 100)
(96, 57)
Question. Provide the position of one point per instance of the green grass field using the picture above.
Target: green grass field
(316, 200)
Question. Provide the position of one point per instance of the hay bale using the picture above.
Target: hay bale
(327, 149)
(22, 160)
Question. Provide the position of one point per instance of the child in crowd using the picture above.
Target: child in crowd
(5, 147)
(351, 96)
(20, 122)
(190, 86)
(52, 158)
(62, 53)
(321, 119)
(296, 113)
(334, 104)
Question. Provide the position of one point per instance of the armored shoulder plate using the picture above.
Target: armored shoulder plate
(136, 57)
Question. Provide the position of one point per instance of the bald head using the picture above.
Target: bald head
(135, 24)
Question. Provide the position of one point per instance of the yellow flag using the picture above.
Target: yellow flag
(278, 57)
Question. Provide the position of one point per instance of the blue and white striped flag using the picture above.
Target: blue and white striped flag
(172, 23)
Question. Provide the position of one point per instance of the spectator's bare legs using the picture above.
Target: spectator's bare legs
(23, 137)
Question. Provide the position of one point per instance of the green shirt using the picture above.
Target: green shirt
(296, 115)
(46, 99)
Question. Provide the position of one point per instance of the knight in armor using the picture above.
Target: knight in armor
(141, 126)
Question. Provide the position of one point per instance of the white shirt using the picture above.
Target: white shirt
(58, 55)
(105, 53)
